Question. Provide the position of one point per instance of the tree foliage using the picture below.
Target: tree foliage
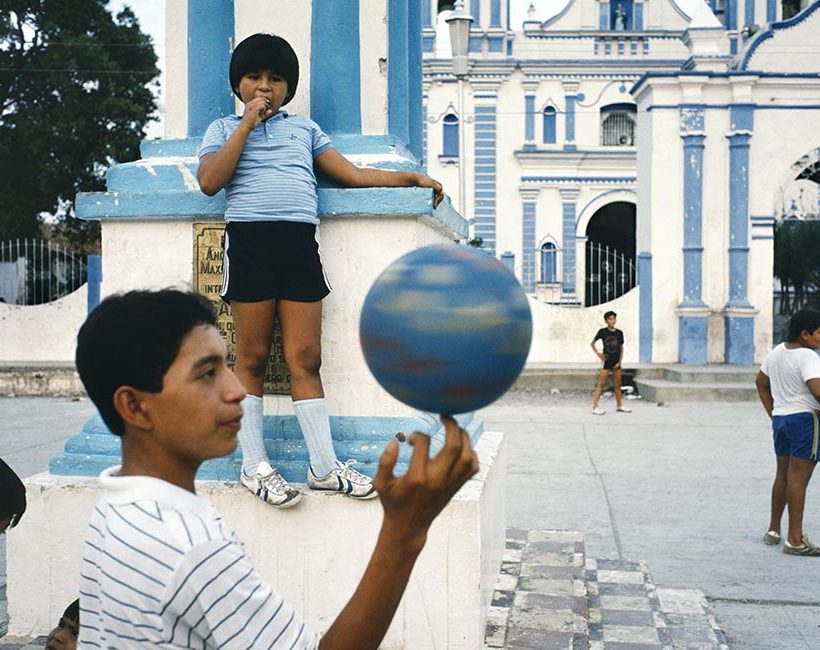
(797, 263)
(75, 97)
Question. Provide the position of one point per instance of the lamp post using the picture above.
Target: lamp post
(459, 22)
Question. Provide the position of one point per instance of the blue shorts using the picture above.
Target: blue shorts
(796, 435)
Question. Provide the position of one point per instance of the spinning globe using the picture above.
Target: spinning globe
(446, 329)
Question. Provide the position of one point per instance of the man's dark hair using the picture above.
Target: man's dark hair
(73, 611)
(808, 319)
(12, 495)
(610, 313)
(132, 339)
(265, 52)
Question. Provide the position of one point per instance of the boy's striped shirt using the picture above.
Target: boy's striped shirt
(161, 569)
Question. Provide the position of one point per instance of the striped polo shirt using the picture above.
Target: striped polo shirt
(273, 179)
(161, 569)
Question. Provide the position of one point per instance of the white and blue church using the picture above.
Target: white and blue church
(628, 155)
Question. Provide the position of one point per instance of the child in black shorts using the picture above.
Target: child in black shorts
(612, 340)
(264, 159)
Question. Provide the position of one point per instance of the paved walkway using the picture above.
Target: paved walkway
(678, 494)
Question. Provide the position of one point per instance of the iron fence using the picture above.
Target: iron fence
(610, 273)
(35, 271)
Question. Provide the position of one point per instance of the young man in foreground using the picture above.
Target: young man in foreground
(160, 566)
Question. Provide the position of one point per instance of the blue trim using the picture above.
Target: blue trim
(693, 146)
(739, 339)
(335, 75)
(771, 11)
(475, 42)
(738, 219)
(95, 448)
(508, 259)
(569, 120)
(603, 16)
(474, 8)
(484, 199)
(428, 43)
(765, 35)
(568, 209)
(398, 73)
(529, 118)
(555, 18)
(495, 13)
(749, 13)
(94, 268)
(718, 75)
(645, 307)
(757, 107)
(528, 246)
(692, 340)
(638, 17)
(450, 126)
(210, 42)
(415, 81)
(427, 13)
(578, 179)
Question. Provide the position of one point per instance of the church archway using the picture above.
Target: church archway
(610, 253)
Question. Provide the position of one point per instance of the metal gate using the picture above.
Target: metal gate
(34, 271)
(610, 274)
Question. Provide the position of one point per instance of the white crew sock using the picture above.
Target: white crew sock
(315, 425)
(250, 435)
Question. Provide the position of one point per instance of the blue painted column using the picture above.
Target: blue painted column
(739, 313)
(484, 158)
(692, 311)
(529, 121)
(398, 70)
(771, 11)
(603, 16)
(94, 278)
(414, 81)
(529, 195)
(637, 16)
(645, 325)
(495, 13)
(570, 99)
(749, 13)
(210, 44)
(569, 199)
(335, 74)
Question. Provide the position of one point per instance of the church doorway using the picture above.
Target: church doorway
(610, 253)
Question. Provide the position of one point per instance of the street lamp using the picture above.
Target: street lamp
(459, 22)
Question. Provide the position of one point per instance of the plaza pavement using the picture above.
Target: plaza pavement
(682, 489)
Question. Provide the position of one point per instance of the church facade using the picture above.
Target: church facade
(626, 155)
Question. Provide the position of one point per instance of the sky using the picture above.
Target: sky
(151, 15)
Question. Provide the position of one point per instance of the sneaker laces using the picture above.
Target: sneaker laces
(275, 479)
(347, 471)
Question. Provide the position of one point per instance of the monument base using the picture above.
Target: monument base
(314, 554)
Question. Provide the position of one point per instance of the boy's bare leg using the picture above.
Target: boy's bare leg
(616, 379)
(253, 323)
(302, 336)
(799, 473)
(779, 492)
(599, 388)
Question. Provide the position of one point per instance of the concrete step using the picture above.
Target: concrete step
(664, 390)
(39, 379)
(709, 374)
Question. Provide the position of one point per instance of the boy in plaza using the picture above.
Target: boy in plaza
(265, 160)
(612, 340)
(160, 568)
(789, 388)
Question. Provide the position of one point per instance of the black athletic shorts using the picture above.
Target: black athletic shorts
(272, 259)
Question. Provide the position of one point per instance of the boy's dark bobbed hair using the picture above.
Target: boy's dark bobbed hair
(131, 339)
(265, 52)
(808, 319)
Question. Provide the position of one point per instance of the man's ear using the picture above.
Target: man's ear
(129, 405)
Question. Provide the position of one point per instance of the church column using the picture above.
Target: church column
(529, 196)
(692, 312)
(210, 39)
(569, 199)
(485, 100)
(570, 98)
(335, 70)
(739, 313)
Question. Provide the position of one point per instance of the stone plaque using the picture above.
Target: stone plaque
(209, 239)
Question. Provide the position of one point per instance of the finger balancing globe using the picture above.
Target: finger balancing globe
(446, 329)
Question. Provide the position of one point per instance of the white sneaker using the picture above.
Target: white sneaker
(624, 409)
(343, 479)
(267, 483)
(598, 411)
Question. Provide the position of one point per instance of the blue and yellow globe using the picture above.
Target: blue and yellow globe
(446, 329)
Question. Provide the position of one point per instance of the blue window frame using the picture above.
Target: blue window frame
(549, 125)
(450, 127)
(549, 263)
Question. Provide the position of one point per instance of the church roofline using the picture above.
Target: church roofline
(766, 34)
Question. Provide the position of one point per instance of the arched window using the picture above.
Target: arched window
(450, 136)
(549, 125)
(549, 263)
(618, 125)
